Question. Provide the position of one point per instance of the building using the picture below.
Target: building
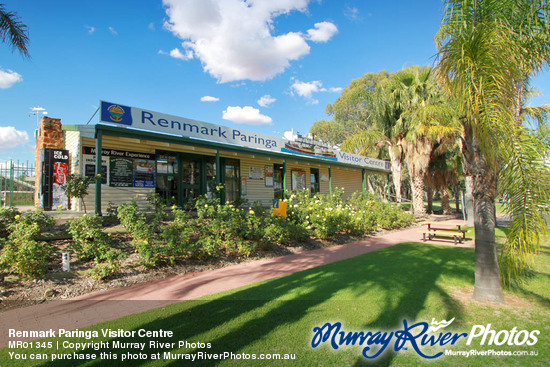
(137, 151)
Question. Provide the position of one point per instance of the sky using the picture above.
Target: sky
(265, 66)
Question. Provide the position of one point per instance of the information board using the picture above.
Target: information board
(121, 172)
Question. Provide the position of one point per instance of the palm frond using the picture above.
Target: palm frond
(13, 31)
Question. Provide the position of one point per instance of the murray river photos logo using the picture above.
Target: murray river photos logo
(116, 113)
(419, 336)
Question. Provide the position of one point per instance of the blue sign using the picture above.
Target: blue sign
(275, 204)
(116, 113)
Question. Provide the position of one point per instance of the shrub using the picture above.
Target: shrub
(158, 205)
(7, 217)
(22, 253)
(285, 232)
(90, 242)
(38, 217)
(104, 270)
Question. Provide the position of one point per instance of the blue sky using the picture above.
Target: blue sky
(267, 67)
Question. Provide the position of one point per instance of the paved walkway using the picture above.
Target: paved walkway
(102, 306)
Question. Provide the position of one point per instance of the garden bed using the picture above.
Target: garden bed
(57, 285)
(132, 247)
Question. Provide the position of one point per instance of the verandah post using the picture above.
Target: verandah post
(98, 144)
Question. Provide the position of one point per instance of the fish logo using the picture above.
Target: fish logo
(439, 325)
(116, 113)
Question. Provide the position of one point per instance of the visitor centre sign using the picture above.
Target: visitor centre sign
(113, 113)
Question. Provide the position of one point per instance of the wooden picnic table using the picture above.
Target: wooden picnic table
(456, 232)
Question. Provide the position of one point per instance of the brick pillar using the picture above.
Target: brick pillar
(50, 135)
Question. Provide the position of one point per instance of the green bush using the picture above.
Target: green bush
(7, 217)
(90, 242)
(38, 217)
(104, 270)
(285, 232)
(22, 253)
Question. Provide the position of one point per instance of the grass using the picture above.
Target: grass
(372, 292)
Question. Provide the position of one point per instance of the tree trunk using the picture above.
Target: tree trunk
(445, 200)
(457, 198)
(417, 185)
(469, 183)
(487, 281)
(396, 166)
(430, 197)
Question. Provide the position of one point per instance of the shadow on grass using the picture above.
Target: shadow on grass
(375, 291)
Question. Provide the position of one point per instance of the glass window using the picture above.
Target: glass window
(314, 180)
(191, 172)
(210, 178)
(298, 180)
(278, 181)
(232, 179)
(167, 164)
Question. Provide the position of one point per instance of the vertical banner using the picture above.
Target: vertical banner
(59, 170)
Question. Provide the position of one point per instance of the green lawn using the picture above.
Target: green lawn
(372, 292)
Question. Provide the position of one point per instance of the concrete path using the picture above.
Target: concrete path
(102, 306)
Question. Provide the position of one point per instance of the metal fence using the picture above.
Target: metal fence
(16, 183)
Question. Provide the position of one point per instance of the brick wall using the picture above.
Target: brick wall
(50, 135)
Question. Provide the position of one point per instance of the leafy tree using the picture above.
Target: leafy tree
(13, 31)
(409, 114)
(77, 187)
(329, 131)
(488, 49)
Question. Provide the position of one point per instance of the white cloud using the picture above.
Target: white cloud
(209, 99)
(9, 78)
(113, 31)
(11, 137)
(233, 38)
(91, 29)
(151, 26)
(246, 115)
(306, 89)
(322, 32)
(266, 100)
(177, 54)
(352, 13)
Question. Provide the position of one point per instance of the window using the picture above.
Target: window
(278, 173)
(298, 180)
(314, 181)
(210, 177)
(232, 179)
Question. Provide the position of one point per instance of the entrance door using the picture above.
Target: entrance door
(192, 183)
(167, 185)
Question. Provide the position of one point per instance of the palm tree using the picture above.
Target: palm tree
(443, 172)
(426, 118)
(487, 51)
(13, 31)
(381, 115)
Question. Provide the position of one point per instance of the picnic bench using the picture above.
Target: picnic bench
(456, 232)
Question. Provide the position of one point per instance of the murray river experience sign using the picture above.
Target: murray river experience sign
(138, 118)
